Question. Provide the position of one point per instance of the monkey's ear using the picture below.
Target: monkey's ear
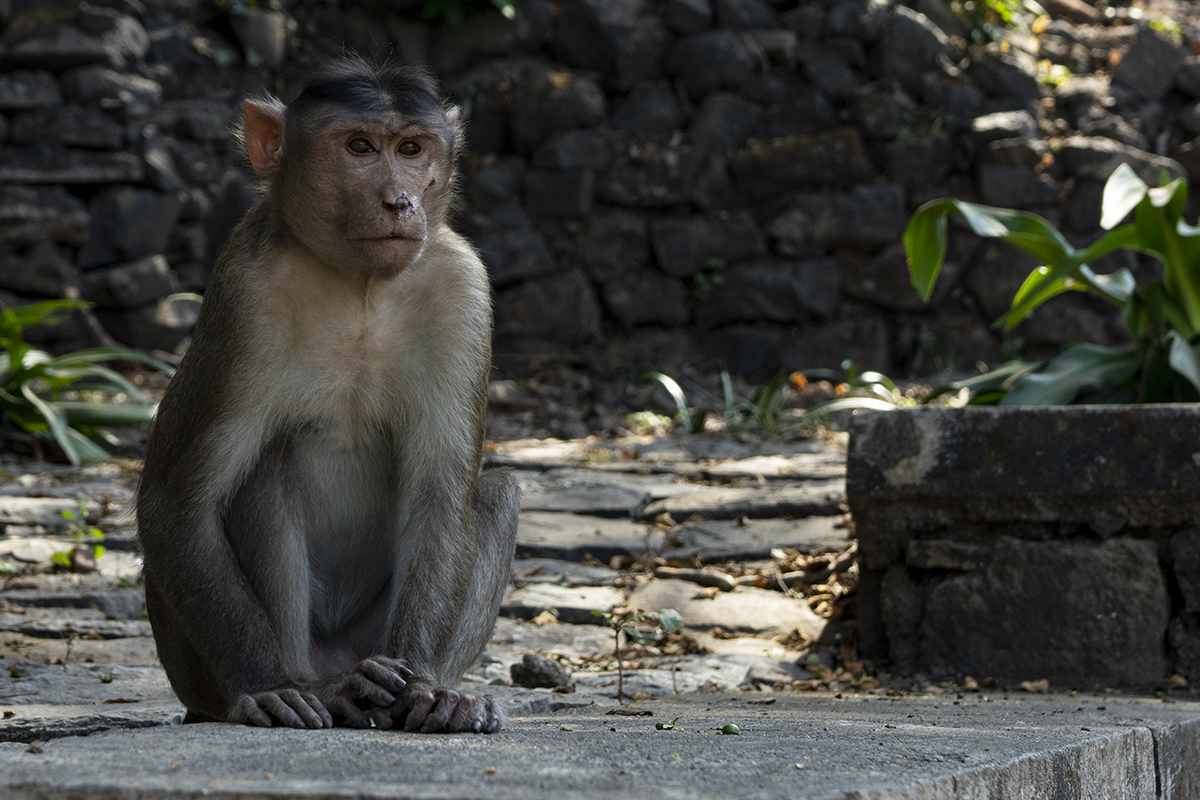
(264, 135)
(454, 115)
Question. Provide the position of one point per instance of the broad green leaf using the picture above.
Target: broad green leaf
(997, 380)
(877, 378)
(1184, 358)
(1039, 287)
(851, 404)
(1079, 367)
(1116, 287)
(925, 245)
(109, 415)
(1122, 193)
(54, 419)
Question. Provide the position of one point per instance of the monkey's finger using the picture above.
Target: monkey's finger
(362, 688)
(382, 675)
(395, 665)
(441, 713)
(468, 715)
(348, 714)
(277, 708)
(493, 716)
(307, 714)
(319, 707)
(419, 704)
(246, 710)
(381, 717)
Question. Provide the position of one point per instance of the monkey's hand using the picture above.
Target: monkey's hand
(362, 696)
(427, 707)
(288, 707)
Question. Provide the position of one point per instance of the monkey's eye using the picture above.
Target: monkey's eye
(360, 147)
(409, 148)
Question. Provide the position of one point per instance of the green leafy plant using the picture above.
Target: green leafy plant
(1162, 318)
(642, 627)
(33, 384)
(453, 12)
(693, 421)
(80, 532)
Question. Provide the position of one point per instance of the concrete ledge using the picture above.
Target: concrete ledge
(984, 746)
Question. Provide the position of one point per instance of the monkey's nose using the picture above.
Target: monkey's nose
(401, 206)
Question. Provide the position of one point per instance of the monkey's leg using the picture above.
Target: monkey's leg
(427, 706)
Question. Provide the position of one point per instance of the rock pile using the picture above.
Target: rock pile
(727, 177)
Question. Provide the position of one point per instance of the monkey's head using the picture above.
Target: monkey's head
(360, 167)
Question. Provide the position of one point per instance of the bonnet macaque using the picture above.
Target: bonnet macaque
(320, 546)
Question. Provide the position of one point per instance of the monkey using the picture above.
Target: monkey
(320, 546)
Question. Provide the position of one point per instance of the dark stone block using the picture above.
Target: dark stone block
(863, 219)
(562, 308)
(1107, 627)
(882, 279)
(742, 15)
(791, 232)
(714, 189)
(547, 102)
(945, 554)
(1149, 67)
(920, 162)
(43, 270)
(1096, 158)
(592, 149)
(911, 46)
(1187, 79)
(687, 17)
(1006, 74)
(196, 163)
(863, 341)
(156, 326)
(589, 33)
(650, 111)
(1011, 174)
(511, 248)
(202, 120)
(71, 126)
(497, 184)
(99, 36)
(135, 95)
(652, 178)
(643, 55)
(49, 164)
(955, 344)
(24, 90)
(129, 224)
(647, 298)
(1003, 125)
(829, 72)
(749, 350)
(129, 285)
(909, 472)
(723, 121)
(713, 60)
(29, 215)
(773, 290)
(1185, 557)
(995, 275)
(834, 158)
(559, 193)
(901, 606)
(484, 33)
(614, 242)
(781, 46)
(1098, 122)
(684, 246)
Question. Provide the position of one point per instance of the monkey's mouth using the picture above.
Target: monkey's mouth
(403, 237)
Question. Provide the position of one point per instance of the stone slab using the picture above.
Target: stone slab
(1098, 468)
(744, 610)
(809, 746)
(745, 540)
(542, 534)
(573, 605)
(819, 498)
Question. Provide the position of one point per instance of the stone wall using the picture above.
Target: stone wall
(718, 181)
(1030, 543)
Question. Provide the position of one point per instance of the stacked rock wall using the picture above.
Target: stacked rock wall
(722, 181)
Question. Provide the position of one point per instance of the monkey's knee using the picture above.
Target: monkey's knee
(498, 503)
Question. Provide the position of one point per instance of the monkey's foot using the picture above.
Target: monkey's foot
(288, 707)
(362, 696)
(426, 707)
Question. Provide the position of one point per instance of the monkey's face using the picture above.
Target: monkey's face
(364, 194)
